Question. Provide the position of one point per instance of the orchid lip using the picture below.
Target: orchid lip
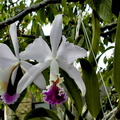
(8, 99)
(55, 94)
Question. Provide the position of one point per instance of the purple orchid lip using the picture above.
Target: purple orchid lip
(55, 95)
(8, 99)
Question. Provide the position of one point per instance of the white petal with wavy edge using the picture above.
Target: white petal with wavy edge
(31, 75)
(13, 34)
(69, 52)
(38, 50)
(74, 74)
(56, 33)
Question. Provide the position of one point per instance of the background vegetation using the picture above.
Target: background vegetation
(91, 24)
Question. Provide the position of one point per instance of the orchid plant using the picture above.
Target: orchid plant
(9, 64)
(61, 54)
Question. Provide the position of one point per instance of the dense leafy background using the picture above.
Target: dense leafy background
(98, 33)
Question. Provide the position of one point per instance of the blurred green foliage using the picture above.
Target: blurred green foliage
(97, 34)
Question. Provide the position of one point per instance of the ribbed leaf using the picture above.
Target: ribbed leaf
(117, 59)
(92, 96)
(105, 11)
(73, 90)
(102, 7)
(41, 112)
(95, 38)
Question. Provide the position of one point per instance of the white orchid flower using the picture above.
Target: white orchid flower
(9, 65)
(62, 54)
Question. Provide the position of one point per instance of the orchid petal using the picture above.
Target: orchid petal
(6, 53)
(38, 50)
(13, 34)
(74, 74)
(7, 58)
(40, 81)
(25, 65)
(55, 34)
(4, 63)
(14, 75)
(31, 75)
(69, 52)
(54, 70)
(4, 78)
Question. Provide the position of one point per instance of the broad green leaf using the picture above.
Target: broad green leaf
(92, 96)
(102, 7)
(105, 11)
(73, 91)
(117, 59)
(95, 38)
(41, 112)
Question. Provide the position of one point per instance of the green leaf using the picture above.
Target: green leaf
(73, 91)
(95, 38)
(41, 112)
(41, 16)
(117, 59)
(102, 7)
(105, 11)
(39, 32)
(46, 74)
(92, 96)
(50, 13)
(63, 2)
